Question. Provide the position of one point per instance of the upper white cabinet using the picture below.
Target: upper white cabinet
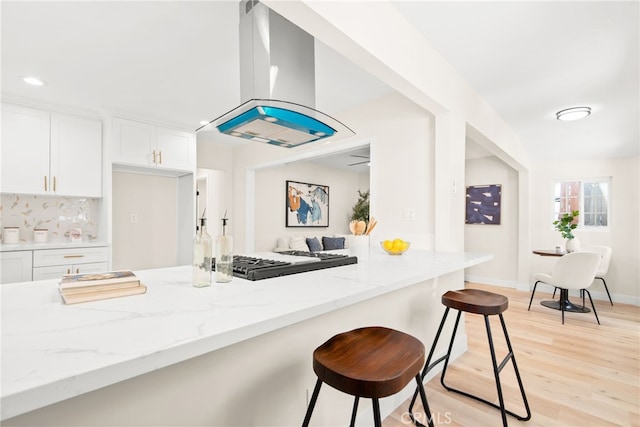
(142, 144)
(25, 150)
(50, 153)
(76, 156)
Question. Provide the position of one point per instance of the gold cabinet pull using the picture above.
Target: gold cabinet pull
(154, 157)
(77, 270)
(54, 184)
(73, 256)
(160, 155)
(68, 271)
(45, 183)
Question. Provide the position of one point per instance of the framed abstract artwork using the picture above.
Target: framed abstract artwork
(307, 205)
(483, 204)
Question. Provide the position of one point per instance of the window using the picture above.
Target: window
(590, 196)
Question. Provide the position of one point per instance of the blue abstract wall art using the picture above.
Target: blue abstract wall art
(307, 205)
(483, 204)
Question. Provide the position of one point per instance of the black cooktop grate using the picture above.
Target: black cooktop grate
(251, 268)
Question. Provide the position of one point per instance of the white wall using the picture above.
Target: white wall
(151, 242)
(502, 239)
(270, 201)
(623, 235)
(402, 167)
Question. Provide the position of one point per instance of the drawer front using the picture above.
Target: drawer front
(51, 257)
(57, 271)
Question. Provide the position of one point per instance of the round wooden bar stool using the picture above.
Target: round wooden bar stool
(487, 304)
(371, 362)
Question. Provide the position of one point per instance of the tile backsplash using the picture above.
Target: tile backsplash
(56, 214)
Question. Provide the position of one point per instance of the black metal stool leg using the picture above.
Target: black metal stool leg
(425, 404)
(517, 372)
(428, 365)
(312, 403)
(377, 421)
(496, 368)
(496, 371)
(354, 411)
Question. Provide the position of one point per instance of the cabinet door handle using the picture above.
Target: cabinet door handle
(73, 256)
(68, 271)
(154, 157)
(54, 184)
(160, 155)
(77, 270)
(45, 183)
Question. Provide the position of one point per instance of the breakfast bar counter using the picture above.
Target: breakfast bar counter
(180, 355)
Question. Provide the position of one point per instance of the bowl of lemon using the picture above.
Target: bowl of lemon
(395, 246)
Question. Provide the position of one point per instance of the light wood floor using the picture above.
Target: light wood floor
(576, 374)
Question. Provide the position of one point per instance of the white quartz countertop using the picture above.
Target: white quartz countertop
(30, 246)
(52, 351)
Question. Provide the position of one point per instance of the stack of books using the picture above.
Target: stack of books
(76, 288)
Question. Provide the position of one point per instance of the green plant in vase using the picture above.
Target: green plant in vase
(565, 225)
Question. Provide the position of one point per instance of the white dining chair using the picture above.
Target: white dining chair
(575, 270)
(603, 268)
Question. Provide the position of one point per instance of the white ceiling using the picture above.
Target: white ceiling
(177, 62)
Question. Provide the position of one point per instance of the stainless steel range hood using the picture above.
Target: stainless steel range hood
(277, 80)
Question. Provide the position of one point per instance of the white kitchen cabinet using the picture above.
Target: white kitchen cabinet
(50, 153)
(176, 149)
(53, 263)
(16, 266)
(76, 156)
(25, 150)
(147, 145)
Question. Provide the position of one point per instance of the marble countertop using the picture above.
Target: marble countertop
(52, 351)
(30, 246)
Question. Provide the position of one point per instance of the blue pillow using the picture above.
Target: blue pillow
(332, 243)
(314, 244)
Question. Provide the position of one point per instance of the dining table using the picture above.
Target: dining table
(563, 302)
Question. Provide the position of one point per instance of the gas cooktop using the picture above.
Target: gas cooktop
(271, 264)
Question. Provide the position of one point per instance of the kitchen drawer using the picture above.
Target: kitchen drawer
(50, 257)
(57, 271)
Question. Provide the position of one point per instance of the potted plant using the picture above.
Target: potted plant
(565, 225)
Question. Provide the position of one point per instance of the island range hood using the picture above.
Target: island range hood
(277, 78)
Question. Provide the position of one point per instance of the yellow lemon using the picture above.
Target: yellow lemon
(387, 244)
(397, 245)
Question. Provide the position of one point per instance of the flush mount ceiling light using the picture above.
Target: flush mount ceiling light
(33, 81)
(573, 113)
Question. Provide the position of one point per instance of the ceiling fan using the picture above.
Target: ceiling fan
(362, 157)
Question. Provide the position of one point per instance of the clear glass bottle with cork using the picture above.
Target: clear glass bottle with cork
(224, 254)
(202, 249)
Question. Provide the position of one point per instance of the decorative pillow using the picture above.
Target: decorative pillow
(346, 239)
(298, 244)
(332, 243)
(314, 244)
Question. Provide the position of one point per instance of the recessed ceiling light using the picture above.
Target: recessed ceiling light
(33, 81)
(573, 113)
(204, 122)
